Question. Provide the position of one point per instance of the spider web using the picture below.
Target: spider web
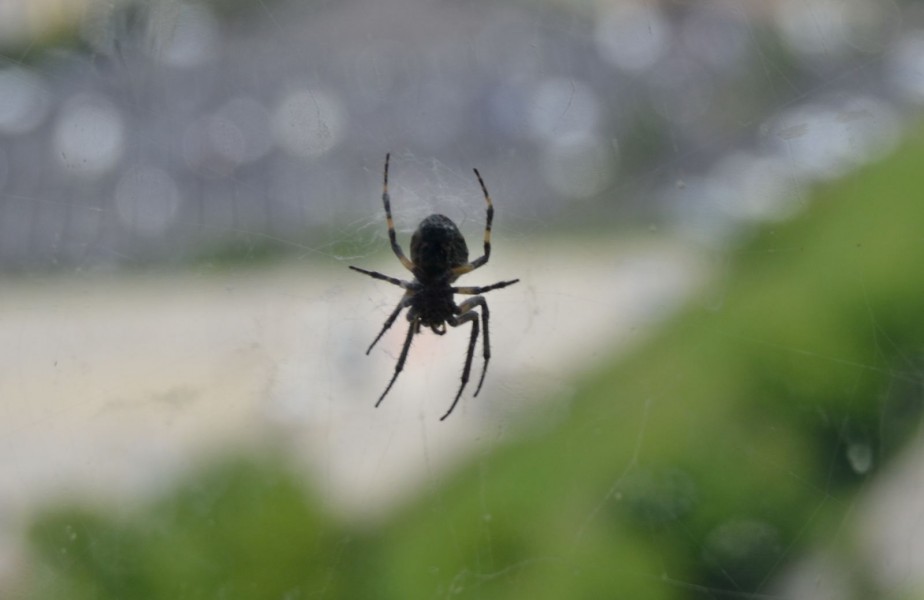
(157, 314)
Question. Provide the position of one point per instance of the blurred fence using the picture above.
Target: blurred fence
(165, 126)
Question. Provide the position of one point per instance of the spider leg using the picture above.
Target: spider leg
(386, 200)
(398, 367)
(389, 321)
(392, 280)
(480, 290)
(465, 317)
(483, 259)
(466, 307)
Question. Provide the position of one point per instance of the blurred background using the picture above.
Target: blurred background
(706, 384)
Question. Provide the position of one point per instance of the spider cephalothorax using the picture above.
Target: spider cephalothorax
(439, 256)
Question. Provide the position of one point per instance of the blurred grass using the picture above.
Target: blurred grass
(699, 467)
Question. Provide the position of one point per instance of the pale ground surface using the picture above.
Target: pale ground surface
(113, 385)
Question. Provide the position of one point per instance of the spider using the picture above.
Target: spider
(439, 256)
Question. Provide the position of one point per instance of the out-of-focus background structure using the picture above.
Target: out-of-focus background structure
(183, 184)
(165, 129)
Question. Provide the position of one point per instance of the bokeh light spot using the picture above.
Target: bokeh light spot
(89, 135)
(563, 106)
(309, 123)
(580, 166)
(632, 35)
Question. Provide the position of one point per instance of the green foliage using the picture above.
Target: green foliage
(711, 457)
(240, 529)
(696, 468)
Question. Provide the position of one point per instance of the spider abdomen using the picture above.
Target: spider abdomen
(436, 247)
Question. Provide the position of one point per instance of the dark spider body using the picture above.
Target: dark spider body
(437, 247)
(431, 307)
(439, 256)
